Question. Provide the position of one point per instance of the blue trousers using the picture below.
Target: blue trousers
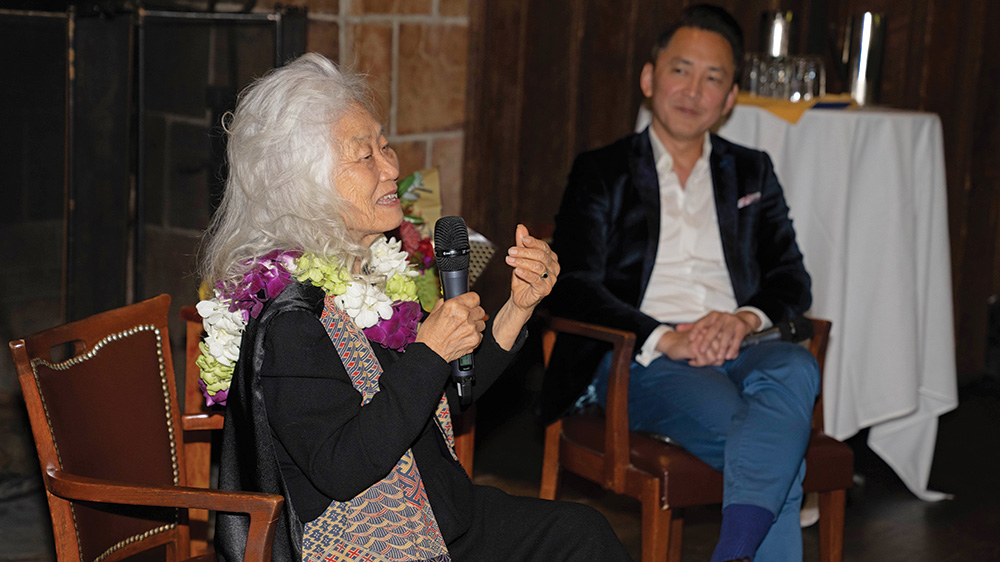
(749, 418)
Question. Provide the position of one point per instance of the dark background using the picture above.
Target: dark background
(111, 152)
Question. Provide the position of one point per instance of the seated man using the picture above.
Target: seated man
(684, 239)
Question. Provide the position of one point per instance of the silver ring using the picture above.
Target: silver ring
(546, 274)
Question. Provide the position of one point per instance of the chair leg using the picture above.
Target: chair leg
(550, 461)
(831, 525)
(198, 453)
(676, 537)
(659, 529)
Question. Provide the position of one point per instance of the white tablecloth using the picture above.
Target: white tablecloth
(867, 195)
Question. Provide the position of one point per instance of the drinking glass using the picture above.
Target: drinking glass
(808, 79)
(752, 73)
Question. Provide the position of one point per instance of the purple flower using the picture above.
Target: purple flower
(268, 274)
(218, 398)
(400, 329)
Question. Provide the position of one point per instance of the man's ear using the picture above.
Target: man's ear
(731, 98)
(646, 79)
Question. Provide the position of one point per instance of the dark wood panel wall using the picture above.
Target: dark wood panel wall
(550, 79)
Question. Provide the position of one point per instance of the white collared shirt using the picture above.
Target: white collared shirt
(689, 277)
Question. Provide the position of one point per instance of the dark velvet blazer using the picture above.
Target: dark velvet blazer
(606, 236)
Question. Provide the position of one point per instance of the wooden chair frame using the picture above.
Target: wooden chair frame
(64, 488)
(639, 466)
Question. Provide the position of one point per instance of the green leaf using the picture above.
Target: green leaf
(404, 186)
(428, 290)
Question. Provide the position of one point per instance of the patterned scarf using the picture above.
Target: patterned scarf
(392, 520)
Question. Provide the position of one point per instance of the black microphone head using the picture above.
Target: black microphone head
(451, 244)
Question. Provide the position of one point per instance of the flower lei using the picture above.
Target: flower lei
(388, 315)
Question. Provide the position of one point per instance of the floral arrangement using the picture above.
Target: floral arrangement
(415, 236)
(388, 312)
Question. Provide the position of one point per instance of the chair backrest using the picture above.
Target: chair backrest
(107, 411)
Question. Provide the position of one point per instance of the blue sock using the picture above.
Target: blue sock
(743, 529)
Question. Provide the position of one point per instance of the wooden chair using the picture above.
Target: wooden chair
(664, 477)
(107, 429)
(465, 437)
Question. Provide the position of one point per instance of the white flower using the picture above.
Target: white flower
(389, 259)
(365, 303)
(288, 261)
(224, 329)
(224, 347)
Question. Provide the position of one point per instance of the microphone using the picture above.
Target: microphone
(451, 251)
(794, 330)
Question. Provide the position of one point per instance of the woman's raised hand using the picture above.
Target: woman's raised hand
(454, 327)
(535, 269)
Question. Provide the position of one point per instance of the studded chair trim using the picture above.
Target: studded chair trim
(90, 354)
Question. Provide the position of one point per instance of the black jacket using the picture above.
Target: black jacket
(606, 236)
(295, 425)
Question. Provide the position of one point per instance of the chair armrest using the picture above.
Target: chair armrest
(201, 422)
(616, 433)
(263, 509)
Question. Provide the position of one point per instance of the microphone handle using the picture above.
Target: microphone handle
(789, 330)
(771, 334)
(454, 283)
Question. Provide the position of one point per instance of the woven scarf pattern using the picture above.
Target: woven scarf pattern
(393, 519)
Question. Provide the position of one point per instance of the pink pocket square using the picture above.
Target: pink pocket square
(748, 199)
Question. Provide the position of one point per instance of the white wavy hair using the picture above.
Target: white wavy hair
(280, 192)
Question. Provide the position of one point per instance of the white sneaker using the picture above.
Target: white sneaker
(809, 514)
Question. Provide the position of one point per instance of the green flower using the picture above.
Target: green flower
(401, 288)
(212, 371)
(215, 377)
(325, 273)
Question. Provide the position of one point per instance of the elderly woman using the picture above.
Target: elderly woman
(325, 407)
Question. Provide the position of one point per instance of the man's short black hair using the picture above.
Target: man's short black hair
(709, 18)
